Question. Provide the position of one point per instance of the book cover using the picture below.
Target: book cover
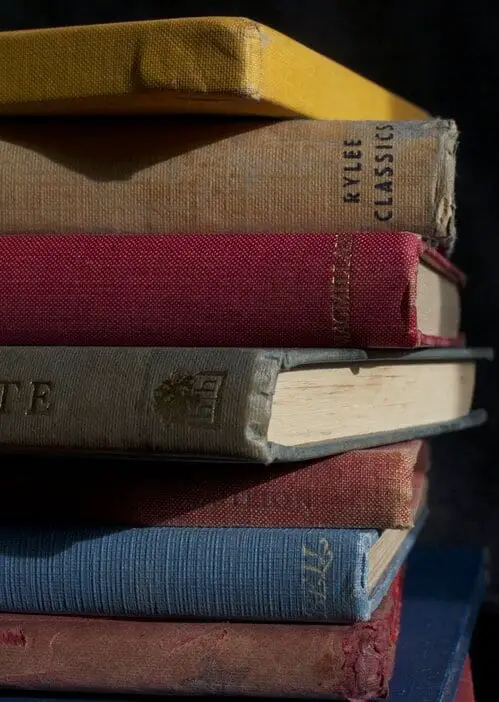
(165, 176)
(443, 590)
(358, 290)
(237, 574)
(224, 65)
(372, 489)
(226, 403)
(434, 636)
(74, 654)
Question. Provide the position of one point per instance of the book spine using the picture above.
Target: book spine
(254, 574)
(74, 654)
(208, 64)
(197, 402)
(301, 290)
(292, 175)
(139, 65)
(372, 489)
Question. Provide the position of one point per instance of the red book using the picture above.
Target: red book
(74, 654)
(465, 691)
(275, 290)
(373, 489)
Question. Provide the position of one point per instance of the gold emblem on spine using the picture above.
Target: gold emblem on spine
(189, 399)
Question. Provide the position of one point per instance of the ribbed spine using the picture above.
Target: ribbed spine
(219, 573)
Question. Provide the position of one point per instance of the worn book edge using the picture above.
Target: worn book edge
(398, 560)
(445, 177)
(243, 429)
(264, 72)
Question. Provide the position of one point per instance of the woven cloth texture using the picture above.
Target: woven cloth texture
(251, 574)
(208, 64)
(169, 176)
(243, 290)
(182, 658)
(363, 489)
(184, 403)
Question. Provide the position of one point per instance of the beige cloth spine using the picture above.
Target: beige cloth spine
(160, 175)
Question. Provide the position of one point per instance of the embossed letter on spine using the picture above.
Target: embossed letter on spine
(33, 398)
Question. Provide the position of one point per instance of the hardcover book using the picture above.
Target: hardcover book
(442, 593)
(227, 65)
(443, 590)
(166, 176)
(296, 290)
(238, 574)
(256, 405)
(372, 489)
(75, 654)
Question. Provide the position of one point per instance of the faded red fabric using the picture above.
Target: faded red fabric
(74, 654)
(269, 290)
(465, 691)
(375, 489)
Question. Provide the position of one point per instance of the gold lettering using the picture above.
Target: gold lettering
(40, 401)
(314, 569)
(306, 551)
(325, 547)
(341, 291)
(189, 399)
(317, 599)
(315, 576)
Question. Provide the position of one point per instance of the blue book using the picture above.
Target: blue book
(442, 593)
(313, 575)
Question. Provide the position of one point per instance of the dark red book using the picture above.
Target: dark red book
(372, 488)
(466, 691)
(272, 290)
(75, 654)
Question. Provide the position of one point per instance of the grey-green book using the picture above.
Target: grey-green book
(258, 405)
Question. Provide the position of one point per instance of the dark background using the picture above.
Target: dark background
(444, 56)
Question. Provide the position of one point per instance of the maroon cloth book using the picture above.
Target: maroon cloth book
(76, 654)
(274, 290)
(373, 489)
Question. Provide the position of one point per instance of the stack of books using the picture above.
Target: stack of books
(226, 336)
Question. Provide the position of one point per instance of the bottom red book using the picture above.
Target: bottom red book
(466, 692)
(76, 654)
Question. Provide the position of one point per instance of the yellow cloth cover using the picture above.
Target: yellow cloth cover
(221, 65)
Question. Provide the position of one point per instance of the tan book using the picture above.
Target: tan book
(222, 65)
(147, 175)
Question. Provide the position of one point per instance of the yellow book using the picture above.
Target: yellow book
(217, 65)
